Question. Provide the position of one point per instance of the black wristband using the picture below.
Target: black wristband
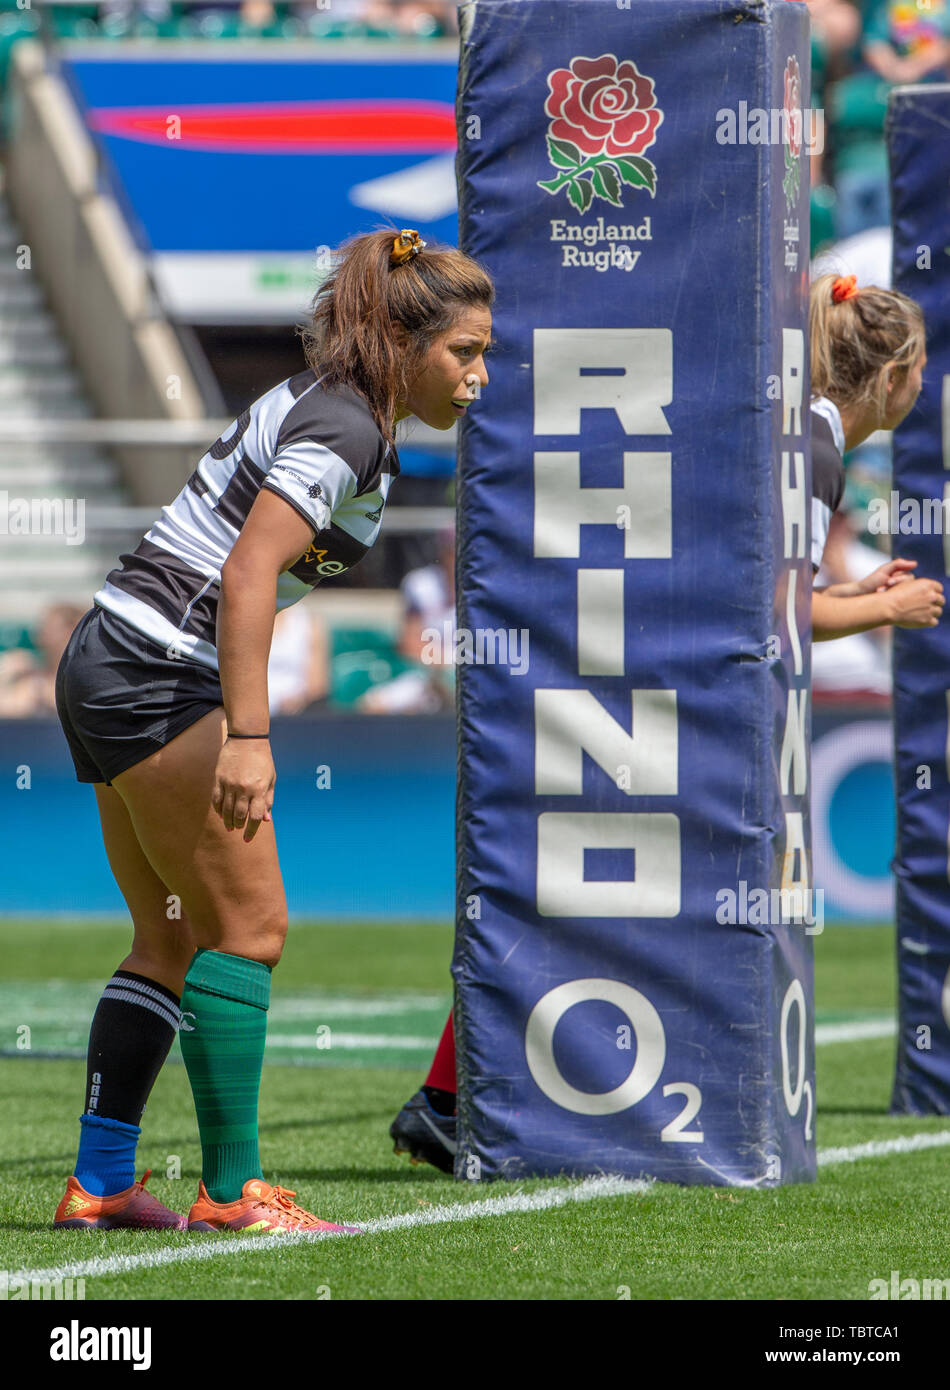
(230, 735)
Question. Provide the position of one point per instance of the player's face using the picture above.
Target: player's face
(453, 370)
(903, 394)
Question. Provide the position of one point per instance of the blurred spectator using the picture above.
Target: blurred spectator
(906, 41)
(867, 255)
(427, 637)
(408, 18)
(257, 14)
(902, 41)
(208, 17)
(835, 25)
(248, 14)
(859, 665)
(412, 18)
(347, 11)
(429, 597)
(28, 679)
(835, 33)
(158, 10)
(298, 671)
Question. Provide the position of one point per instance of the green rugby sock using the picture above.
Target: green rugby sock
(224, 1024)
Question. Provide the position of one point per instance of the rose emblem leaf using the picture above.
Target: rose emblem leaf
(581, 194)
(564, 154)
(607, 185)
(639, 173)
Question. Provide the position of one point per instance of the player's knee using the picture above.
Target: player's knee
(255, 933)
(265, 941)
(271, 942)
(162, 950)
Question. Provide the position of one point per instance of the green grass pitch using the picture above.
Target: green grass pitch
(380, 993)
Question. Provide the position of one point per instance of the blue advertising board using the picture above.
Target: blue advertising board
(394, 780)
(234, 171)
(362, 810)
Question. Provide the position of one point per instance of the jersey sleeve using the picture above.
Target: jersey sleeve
(313, 479)
(876, 27)
(827, 484)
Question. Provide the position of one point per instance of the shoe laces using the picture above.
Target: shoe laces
(282, 1197)
(145, 1177)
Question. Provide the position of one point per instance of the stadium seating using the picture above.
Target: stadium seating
(37, 379)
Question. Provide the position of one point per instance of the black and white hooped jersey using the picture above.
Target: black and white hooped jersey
(320, 450)
(827, 472)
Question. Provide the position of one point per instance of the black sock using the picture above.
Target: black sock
(132, 1030)
(442, 1102)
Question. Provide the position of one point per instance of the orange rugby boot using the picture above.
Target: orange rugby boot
(260, 1207)
(134, 1208)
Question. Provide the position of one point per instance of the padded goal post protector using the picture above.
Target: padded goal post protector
(918, 121)
(633, 595)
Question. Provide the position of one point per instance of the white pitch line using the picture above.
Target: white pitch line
(547, 1199)
(880, 1148)
(320, 1008)
(854, 1032)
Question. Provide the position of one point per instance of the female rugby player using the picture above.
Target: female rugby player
(867, 354)
(162, 693)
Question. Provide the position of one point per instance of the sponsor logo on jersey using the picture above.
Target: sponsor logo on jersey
(292, 472)
(316, 556)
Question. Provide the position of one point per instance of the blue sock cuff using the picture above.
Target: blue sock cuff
(103, 1122)
(105, 1163)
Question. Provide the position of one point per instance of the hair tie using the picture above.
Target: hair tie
(845, 287)
(406, 245)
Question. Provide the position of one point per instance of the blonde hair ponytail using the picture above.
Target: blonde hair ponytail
(854, 340)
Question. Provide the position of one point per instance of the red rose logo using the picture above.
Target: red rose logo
(602, 106)
(794, 125)
(793, 106)
(603, 116)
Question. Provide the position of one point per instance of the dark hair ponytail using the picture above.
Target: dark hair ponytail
(352, 338)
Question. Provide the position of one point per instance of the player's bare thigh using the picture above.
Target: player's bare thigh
(163, 944)
(230, 889)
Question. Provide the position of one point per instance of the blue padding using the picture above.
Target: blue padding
(662, 292)
(918, 119)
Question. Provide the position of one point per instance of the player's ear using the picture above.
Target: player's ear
(400, 333)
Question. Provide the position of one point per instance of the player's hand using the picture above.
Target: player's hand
(916, 603)
(244, 785)
(886, 576)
